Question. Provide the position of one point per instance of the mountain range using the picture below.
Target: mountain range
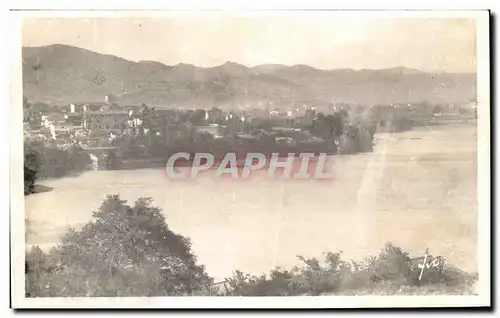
(61, 74)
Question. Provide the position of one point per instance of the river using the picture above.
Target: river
(416, 190)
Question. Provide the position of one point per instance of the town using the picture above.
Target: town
(103, 135)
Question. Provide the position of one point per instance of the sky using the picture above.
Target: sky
(321, 41)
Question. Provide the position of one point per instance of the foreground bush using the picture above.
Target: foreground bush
(391, 272)
(126, 251)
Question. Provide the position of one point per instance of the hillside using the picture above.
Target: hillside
(66, 74)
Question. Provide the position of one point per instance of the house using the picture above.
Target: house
(54, 118)
(93, 107)
(76, 108)
(214, 114)
(58, 129)
(212, 130)
(74, 118)
(63, 129)
(277, 128)
(109, 99)
(105, 120)
(133, 110)
(207, 129)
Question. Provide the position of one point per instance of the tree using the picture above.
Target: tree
(392, 265)
(32, 161)
(29, 180)
(322, 127)
(337, 121)
(198, 117)
(126, 251)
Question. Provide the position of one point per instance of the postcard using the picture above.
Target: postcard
(250, 159)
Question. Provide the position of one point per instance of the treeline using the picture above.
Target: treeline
(334, 133)
(44, 161)
(129, 250)
(398, 118)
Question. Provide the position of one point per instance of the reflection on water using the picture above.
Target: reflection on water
(417, 190)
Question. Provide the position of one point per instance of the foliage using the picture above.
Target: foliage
(177, 132)
(392, 272)
(41, 161)
(125, 251)
(52, 162)
(399, 118)
(29, 180)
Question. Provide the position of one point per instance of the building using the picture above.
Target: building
(54, 118)
(215, 114)
(75, 108)
(93, 107)
(62, 130)
(109, 99)
(213, 130)
(132, 109)
(105, 120)
(75, 118)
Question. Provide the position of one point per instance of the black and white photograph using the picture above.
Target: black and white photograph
(250, 159)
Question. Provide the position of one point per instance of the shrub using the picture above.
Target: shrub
(126, 251)
(391, 272)
(391, 265)
(29, 180)
(310, 279)
(38, 269)
(42, 160)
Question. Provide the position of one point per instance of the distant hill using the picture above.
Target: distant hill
(66, 74)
